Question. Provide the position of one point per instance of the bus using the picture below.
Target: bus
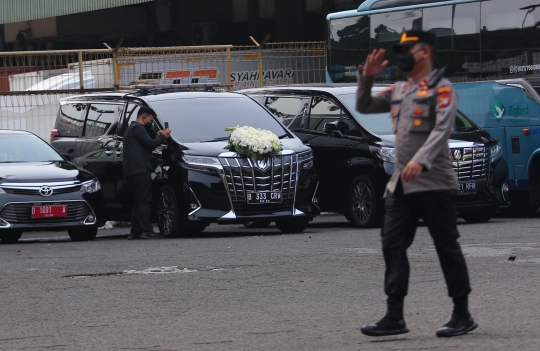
(491, 51)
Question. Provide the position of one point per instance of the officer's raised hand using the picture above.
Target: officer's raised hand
(375, 63)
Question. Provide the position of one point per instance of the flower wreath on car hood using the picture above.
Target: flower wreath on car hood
(257, 144)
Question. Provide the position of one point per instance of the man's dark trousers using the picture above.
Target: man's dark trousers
(141, 184)
(438, 210)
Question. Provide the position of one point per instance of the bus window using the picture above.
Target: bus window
(386, 29)
(349, 46)
(457, 28)
(510, 35)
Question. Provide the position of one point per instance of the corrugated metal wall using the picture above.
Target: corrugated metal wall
(26, 10)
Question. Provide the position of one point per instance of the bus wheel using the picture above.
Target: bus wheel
(519, 206)
(478, 216)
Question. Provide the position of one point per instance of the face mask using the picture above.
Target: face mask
(405, 60)
(148, 125)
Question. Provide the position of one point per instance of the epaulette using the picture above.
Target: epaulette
(436, 77)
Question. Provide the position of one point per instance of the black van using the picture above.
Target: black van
(354, 152)
(196, 181)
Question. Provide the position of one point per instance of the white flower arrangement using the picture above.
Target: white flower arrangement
(257, 144)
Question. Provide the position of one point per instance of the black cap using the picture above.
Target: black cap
(413, 37)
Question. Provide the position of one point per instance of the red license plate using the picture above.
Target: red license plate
(49, 211)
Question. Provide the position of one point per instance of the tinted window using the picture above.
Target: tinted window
(386, 29)
(284, 108)
(349, 45)
(69, 121)
(26, 148)
(130, 115)
(100, 118)
(510, 38)
(323, 110)
(196, 119)
(152, 75)
(457, 28)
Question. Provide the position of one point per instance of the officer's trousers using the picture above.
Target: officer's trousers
(142, 203)
(438, 210)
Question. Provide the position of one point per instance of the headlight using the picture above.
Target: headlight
(202, 161)
(495, 152)
(2, 192)
(91, 187)
(305, 156)
(384, 153)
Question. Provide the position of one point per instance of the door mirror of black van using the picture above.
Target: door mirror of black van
(330, 127)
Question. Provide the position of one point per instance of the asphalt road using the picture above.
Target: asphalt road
(235, 289)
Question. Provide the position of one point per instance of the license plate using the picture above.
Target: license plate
(466, 188)
(49, 211)
(263, 197)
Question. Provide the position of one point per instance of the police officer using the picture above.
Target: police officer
(423, 184)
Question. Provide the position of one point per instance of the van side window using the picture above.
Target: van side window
(70, 120)
(323, 110)
(286, 109)
(130, 115)
(99, 120)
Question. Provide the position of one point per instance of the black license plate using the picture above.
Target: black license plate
(466, 188)
(263, 197)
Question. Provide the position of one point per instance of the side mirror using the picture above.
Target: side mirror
(330, 127)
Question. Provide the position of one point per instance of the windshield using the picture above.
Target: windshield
(380, 123)
(196, 119)
(26, 148)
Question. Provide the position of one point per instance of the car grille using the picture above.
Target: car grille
(20, 213)
(470, 162)
(34, 191)
(244, 175)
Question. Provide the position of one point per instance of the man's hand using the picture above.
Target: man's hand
(412, 171)
(165, 132)
(375, 63)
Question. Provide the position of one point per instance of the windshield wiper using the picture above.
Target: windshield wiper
(215, 139)
(284, 135)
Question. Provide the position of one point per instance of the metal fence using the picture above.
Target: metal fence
(32, 82)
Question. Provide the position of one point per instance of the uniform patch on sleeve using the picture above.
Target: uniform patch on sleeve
(418, 111)
(417, 122)
(445, 100)
(444, 90)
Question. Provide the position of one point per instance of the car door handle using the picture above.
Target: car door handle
(119, 153)
(108, 152)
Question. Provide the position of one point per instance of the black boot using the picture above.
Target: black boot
(391, 324)
(461, 321)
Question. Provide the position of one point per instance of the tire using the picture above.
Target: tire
(478, 216)
(258, 224)
(362, 207)
(10, 237)
(83, 234)
(170, 224)
(293, 225)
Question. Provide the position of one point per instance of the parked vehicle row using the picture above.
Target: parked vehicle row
(334, 159)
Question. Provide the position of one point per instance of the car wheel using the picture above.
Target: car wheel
(83, 234)
(168, 217)
(293, 225)
(10, 237)
(257, 224)
(478, 216)
(362, 209)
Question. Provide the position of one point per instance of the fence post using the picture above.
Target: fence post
(81, 68)
(228, 65)
(260, 58)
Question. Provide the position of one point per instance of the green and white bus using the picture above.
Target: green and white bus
(491, 49)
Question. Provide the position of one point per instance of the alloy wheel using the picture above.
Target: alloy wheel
(166, 212)
(362, 202)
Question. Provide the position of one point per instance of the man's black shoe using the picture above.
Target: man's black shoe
(461, 323)
(133, 236)
(151, 235)
(386, 326)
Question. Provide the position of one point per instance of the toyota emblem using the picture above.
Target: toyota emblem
(262, 164)
(457, 155)
(46, 191)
